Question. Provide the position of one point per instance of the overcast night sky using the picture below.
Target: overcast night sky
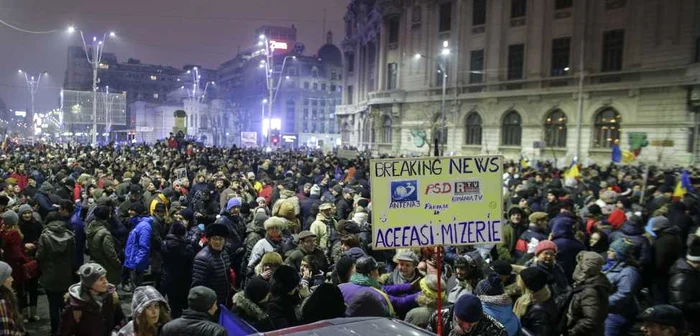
(168, 32)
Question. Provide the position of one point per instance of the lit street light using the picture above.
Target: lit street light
(32, 84)
(445, 52)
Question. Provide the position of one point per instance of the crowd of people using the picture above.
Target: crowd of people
(283, 238)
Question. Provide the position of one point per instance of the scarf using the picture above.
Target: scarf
(430, 292)
(364, 281)
(520, 307)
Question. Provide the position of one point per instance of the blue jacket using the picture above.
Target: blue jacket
(567, 246)
(502, 312)
(635, 233)
(78, 227)
(626, 282)
(138, 246)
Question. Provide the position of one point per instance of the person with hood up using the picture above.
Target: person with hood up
(496, 303)
(684, 291)
(427, 301)
(623, 273)
(149, 312)
(31, 228)
(568, 247)
(43, 199)
(138, 249)
(467, 318)
(102, 247)
(588, 307)
(536, 308)
(92, 307)
(197, 319)
(666, 249)
(467, 275)
(55, 253)
(11, 322)
(510, 233)
(250, 303)
(633, 229)
(325, 303)
(406, 270)
(325, 228)
(212, 266)
(271, 242)
(545, 261)
(236, 226)
(284, 298)
(678, 214)
(177, 268)
(14, 254)
(535, 233)
(599, 242)
(663, 320)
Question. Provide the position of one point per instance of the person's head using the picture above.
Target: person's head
(538, 178)
(307, 188)
(491, 286)
(270, 261)
(4, 201)
(6, 275)
(201, 179)
(538, 219)
(693, 253)
(256, 290)
(149, 309)
(216, 235)
(621, 249)
(348, 193)
(533, 279)
(462, 268)
(515, 215)
(307, 241)
(504, 270)
(326, 209)
(344, 269)
(546, 252)
(159, 211)
(261, 202)
(274, 226)
(467, 313)
(9, 219)
(233, 206)
(26, 212)
(552, 196)
(31, 182)
(309, 263)
(349, 241)
(93, 277)
(406, 263)
(202, 300)
(16, 189)
(285, 281)
(367, 266)
(662, 320)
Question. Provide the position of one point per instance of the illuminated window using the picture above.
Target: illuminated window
(607, 128)
(555, 129)
(473, 129)
(154, 77)
(104, 66)
(155, 96)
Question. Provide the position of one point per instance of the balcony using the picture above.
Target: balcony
(387, 97)
(350, 109)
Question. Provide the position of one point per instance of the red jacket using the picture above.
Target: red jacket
(617, 218)
(14, 255)
(77, 190)
(266, 193)
(22, 180)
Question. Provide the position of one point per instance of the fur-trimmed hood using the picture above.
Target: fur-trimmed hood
(242, 304)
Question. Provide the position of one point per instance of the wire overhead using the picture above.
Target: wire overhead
(27, 31)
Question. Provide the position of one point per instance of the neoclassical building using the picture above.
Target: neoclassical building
(547, 79)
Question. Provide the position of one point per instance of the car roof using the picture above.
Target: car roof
(365, 326)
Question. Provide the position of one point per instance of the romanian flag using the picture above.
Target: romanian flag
(573, 171)
(524, 162)
(616, 154)
(628, 157)
(683, 186)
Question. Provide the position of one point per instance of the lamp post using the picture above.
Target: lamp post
(196, 96)
(269, 47)
(442, 69)
(32, 84)
(262, 124)
(95, 48)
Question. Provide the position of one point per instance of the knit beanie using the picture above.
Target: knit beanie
(594, 209)
(178, 229)
(89, 273)
(24, 208)
(491, 286)
(257, 289)
(102, 212)
(502, 267)
(315, 190)
(200, 299)
(428, 286)
(5, 272)
(623, 248)
(545, 245)
(693, 249)
(10, 218)
(468, 308)
(533, 278)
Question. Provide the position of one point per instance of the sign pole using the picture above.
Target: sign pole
(438, 263)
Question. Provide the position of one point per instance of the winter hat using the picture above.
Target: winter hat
(178, 229)
(365, 265)
(623, 248)
(143, 297)
(660, 223)
(89, 273)
(355, 253)
(366, 303)
(626, 202)
(315, 190)
(693, 249)
(533, 278)
(360, 217)
(260, 199)
(200, 299)
(428, 286)
(617, 218)
(666, 315)
(257, 289)
(406, 255)
(491, 286)
(187, 214)
(468, 308)
(4, 200)
(5, 272)
(349, 226)
(217, 230)
(545, 245)
(363, 203)
(24, 208)
(287, 210)
(275, 223)
(344, 265)
(138, 207)
(102, 212)
(10, 218)
(284, 280)
(501, 267)
(234, 202)
(271, 258)
(537, 216)
(594, 209)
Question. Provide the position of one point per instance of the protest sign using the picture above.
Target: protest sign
(249, 139)
(348, 154)
(433, 201)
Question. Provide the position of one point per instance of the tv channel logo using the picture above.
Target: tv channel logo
(404, 194)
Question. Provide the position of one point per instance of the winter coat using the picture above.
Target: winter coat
(13, 254)
(589, 307)
(556, 279)
(211, 269)
(510, 233)
(177, 266)
(143, 297)
(78, 227)
(635, 233)
(402, 298)
(306, 205)
(541, 318)
(351, 291)
(192, 323)
(283, 311)
(138, 246)
(103, 250)
(394, 278)
(261, 247)
(521, 246)
(343, 208)
(456, 288)
(567, 246)
(500, 307)
(45, 205)
(325, 230)
(487, 326)
(237, 228)
(626, 281)
(684, 292)
(82, 316)
(55, 253)
(254, 314)
(30, 230)
(294, 258)
(255, 230)
(667, 248)
(8, 322)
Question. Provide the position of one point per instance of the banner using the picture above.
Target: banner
(249, 139)
(428, 201)
(349, 154)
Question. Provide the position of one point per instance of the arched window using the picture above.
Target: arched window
(606, 128)
(386, 127)
(472, 129)
(555, 129)
(314, 72)
(366, 131)
(511, 129)
(345, 134)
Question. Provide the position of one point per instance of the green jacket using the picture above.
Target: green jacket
(102, 250)
(510, 234)
(55, 254)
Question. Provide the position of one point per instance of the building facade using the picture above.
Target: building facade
(549, 79)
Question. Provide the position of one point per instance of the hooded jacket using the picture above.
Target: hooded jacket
(626, 281)
(138, 245)
(511, 233)
(85, 315)
(143, 297)
(55, 253)
(177, 267)
(193, 323)
(251, 312)
(103, 250)
(255, 230)
(588, 308)
(567, 246)
(667, 247)
(500, 307)
(684, 292)
(42, 198)
(633, 229)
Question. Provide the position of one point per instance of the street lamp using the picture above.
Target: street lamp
(32, 84)
(443, 71)
(268, 63)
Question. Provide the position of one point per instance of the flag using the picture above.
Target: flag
(524, 163)
(573, 171)
(683, 186)
(616, 154)
(233, 324)
(628, 157)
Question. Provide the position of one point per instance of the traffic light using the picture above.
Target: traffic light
(275, 140)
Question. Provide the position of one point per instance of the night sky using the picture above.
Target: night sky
(168, 32)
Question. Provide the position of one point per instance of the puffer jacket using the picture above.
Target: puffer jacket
(55, 253)
(103, 250)
(82, 316)
(589, 307)
(500, 307)
(541, 318)
(192, 323)
(77, 225)
(567, 246)
(138, 246)
(211, 269)
(633, 229)
(684, 292)
(487, 326)
(255, 230)
(626, 281)
(532, 232)
(252, 313)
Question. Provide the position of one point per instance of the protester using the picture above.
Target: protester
(427, 301)
(663, 320)
(284, 297)
(545, 260)
(666, 249)
(197, 319)
(497, 304)
(467, 318)
(325, 303)
(405, 271)
(623, 273)
(14, 254)
(211, 265)
(536, 308)
(307, 246)
(101, 244)
(177, 268)
(11, 323)
(684, 284)
(149, 311)
(467, 275)
(250, 304)
(588, 307)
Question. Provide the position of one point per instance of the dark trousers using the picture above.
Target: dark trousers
(136, 278)
(56, 304)
(27, 293)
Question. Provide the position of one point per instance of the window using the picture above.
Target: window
(476, 67)
(350, 93)
(613, 46)
(104, 66)
(511, 130)
(479, 12)
(515, 61)
(306, 101)
(394, 29)
(560, 56)
(323, 102)
(445, 20)
(386, 127)
(392, 71)
(314, 102)
(334, 76)
(306, 85)
(323, 87)
(518, 8)
(292, 71)
(562, 4)
(350, 62)
(314, 72)
(322, 128)
(333, 88)
(315, 86)
(473, 129)
(154, 77)
(555, 129)
(155, 96)
(607, 128)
